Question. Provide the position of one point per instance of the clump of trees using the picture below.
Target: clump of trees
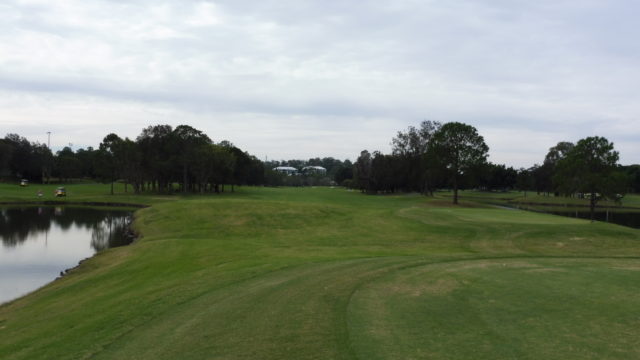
(161, 159)
(21, 159)
(590, 167)
(563, 171)
(426, 158)
(454, 156)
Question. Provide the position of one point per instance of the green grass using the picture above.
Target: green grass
(331, 274)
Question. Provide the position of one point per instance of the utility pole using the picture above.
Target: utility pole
(45, 167)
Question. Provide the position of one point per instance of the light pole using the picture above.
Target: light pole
(46, 168)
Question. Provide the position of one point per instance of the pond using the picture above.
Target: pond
(39, 243)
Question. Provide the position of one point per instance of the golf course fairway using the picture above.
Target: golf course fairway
(326, 273)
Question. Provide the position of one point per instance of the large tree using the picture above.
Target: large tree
(590, 167)
(187, 141)
(411, 150)
(548, 168)
(362, 171)
(156, 151)
(109, 161)
(458, 148)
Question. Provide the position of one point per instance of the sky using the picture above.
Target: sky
(286, 79)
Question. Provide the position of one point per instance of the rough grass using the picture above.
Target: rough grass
(331, 274)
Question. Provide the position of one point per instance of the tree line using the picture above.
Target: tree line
(454, 156)
(430, 156)
(161, 159)
(423, 159)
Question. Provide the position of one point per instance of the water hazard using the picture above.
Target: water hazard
(624, 218)
(38, 243)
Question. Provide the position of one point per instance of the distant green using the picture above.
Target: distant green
(326, 273)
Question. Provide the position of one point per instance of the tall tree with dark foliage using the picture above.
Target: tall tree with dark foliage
(458, 147)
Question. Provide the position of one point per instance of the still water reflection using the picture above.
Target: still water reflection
(40, 242)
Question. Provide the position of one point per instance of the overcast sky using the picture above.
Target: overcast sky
(299, 79)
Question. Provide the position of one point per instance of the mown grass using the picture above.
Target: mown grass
(331, 274)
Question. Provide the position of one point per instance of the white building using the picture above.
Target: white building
(286, 170)
(314, 170)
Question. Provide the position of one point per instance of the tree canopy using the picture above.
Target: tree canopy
(591, 168)
(458, 148)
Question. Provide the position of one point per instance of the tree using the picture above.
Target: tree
(344, 172)
(558, 152)
(591, 167)
(362, 171)
(156, 150)
(109, 161)
(633, 173)
(6, 153)
(524, 180)
(490, 177)
(87, 162)
(67, 164)
(411, 151)
(548, 168)
(24, 160)
(243, 164)
(458, 148)
(188, 140)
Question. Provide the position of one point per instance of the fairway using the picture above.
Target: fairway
(325, 273)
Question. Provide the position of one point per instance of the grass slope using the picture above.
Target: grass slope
(330, 274)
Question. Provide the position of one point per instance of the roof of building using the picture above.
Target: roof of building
(285, 168)
(314, 168)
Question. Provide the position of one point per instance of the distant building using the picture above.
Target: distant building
(286, 170)
(314, 170)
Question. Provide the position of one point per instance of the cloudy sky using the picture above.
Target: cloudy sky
(299, 79)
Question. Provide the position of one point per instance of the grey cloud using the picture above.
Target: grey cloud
(544, 66)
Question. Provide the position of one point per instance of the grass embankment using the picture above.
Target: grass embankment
(326, 273)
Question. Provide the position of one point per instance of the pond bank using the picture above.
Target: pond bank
(75, 203)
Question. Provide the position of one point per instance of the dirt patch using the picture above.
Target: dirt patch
(543, 270)
(632, 267)
(437, 287)
(236, 220)
(490, 263)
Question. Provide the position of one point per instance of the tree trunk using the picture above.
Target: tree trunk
(592, 205)
(112, 187)
(455, 189)
(184, 177)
